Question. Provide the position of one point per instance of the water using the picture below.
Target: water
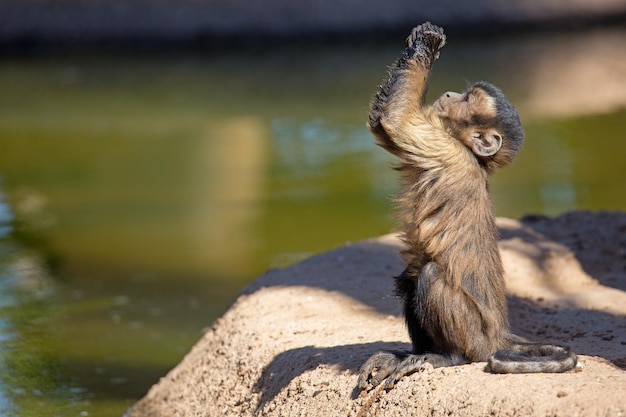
(139, 193)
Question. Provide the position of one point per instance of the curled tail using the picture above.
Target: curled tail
(532, 358)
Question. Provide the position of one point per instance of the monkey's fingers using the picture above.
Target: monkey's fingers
(376, 369)
(425, 40)
(409, 365)
(433, 37)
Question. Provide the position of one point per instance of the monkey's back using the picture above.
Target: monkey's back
(446, 216)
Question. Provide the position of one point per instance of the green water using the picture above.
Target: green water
(139, 193)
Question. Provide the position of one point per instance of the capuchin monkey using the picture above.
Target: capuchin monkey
(453, 285)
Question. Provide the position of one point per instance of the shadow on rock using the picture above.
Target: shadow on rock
(288, 365)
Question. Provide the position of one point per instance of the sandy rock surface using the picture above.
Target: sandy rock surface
(293, 341)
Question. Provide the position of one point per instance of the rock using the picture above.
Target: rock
(293, 341)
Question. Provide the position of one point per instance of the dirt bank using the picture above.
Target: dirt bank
(293, 341)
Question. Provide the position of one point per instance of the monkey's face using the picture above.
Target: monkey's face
(462, 109)
(471, 118)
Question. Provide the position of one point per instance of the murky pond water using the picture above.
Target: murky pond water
(139, 193)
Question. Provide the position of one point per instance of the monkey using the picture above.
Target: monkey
(452, 289)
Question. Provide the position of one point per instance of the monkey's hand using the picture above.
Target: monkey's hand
(424, 43)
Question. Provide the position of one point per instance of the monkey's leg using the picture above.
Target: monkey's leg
(457, 322)
(406, 288)
(381, 365)
(423, 322)
(426, 314)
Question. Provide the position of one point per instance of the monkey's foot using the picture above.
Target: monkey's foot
(393, 367)
(388, 367)
(425, 42)
(376, 369)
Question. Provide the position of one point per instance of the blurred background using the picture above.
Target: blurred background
(157, 156)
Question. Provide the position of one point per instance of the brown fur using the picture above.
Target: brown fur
(453, 286)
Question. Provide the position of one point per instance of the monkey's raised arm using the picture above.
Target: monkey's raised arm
(423, 46)
(397, 115)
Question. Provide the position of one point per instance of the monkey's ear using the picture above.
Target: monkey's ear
(486, 143)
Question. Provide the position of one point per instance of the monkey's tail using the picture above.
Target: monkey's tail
(532, 358)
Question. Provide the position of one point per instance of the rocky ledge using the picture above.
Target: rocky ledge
(293, 341)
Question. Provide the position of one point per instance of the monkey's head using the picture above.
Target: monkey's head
(483, 120)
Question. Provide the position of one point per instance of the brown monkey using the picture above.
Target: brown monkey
(453, 286)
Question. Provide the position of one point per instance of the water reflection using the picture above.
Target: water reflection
(304, 146)
(6, 302)
(141, 193)
(309, 148)
(558, 193)
(226, 174)
(29, 373)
